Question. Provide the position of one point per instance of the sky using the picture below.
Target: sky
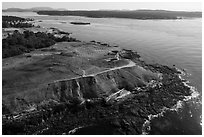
(177, 6)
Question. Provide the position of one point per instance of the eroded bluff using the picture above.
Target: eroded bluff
(117, 100)
(101, 85)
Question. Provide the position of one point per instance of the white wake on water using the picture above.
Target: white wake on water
(194, 94)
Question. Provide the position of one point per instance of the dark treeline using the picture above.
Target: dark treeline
(16, 25)
(12, 18)
(17, 22)
(19, 43)
(136, 14)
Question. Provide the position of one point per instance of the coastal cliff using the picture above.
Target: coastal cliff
(86, 88)
(102, 85)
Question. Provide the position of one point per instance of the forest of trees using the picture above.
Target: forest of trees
(13, 18)
(16, 22)
(19, 43)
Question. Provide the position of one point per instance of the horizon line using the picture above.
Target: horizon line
(55, 9)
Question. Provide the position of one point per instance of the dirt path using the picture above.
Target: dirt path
(130, 64)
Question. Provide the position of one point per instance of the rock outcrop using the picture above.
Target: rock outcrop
(90, 92)
(102, 84)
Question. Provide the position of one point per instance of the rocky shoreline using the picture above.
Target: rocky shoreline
(103, 114)
(86, 88)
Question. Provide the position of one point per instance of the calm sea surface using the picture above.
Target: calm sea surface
(169, 42)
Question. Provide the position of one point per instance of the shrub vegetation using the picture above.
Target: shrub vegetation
(19, 43)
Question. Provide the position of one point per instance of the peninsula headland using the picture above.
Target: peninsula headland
(75, 87)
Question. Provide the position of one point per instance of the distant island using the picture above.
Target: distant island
(34, 9)
(132, 14)
(80, 23)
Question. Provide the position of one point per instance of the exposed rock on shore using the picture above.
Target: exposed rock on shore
(85, 90)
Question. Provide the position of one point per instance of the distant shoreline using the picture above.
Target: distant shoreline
(136, 14)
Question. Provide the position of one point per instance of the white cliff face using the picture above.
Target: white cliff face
(102, 84)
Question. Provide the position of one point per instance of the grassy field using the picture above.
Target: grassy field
(25, 77)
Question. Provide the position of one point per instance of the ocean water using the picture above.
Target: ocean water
(168, 42)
